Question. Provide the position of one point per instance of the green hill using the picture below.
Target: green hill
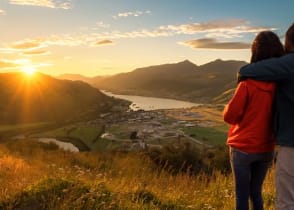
(183, 80)
(44, 98)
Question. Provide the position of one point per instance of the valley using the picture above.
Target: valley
(74, 112)
(202, 126)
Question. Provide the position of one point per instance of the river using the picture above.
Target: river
(152, 103)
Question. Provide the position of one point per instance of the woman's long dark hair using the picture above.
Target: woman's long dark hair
(266, 45)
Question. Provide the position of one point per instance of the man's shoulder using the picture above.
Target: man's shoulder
(289, 56)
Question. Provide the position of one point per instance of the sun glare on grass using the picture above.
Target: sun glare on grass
(28, 70)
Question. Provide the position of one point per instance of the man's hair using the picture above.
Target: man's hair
(289, 41)
(266, 45)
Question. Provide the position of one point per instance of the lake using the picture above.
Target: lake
(152, 103)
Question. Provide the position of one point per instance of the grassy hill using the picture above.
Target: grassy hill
(183, 80)
(42, 98)
(40, 176)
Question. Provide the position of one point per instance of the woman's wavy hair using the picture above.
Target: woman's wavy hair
(266, 45)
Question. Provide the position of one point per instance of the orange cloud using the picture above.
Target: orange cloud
(104, 42)
(214, 44)
(221, 28)
(61, 4)
(225, 29)
(5, 64)
(36, 52)
(24, 45)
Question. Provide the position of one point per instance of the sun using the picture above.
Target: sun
(28, 70)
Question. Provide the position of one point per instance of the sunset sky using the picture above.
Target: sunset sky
(103, 37)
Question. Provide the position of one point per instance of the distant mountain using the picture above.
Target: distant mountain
(79, 77)
(44, 98)
(183, 80)
(74, 77)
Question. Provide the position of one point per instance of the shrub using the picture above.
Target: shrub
(188, 158)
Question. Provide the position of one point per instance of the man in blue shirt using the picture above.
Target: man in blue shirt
(281, 71)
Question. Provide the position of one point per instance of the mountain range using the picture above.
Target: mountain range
(213, 82)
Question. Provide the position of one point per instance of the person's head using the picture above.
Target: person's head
(289, 40)
(266, 45)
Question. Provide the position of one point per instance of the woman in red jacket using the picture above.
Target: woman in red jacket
(250, 136)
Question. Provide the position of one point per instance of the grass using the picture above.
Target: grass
(210, 127)
(15, 129)
(39, 176)
(106, 145)
(216, 135)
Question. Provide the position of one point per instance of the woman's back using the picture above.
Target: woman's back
(250, 113)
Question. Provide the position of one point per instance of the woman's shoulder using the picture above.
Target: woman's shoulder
(264, 85)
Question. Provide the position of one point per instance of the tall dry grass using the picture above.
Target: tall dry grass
(31, 171)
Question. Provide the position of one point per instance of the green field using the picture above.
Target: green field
(89, 135)
(216, 135)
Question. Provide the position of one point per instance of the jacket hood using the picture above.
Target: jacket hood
(264, 86)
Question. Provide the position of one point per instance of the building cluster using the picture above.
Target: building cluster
(147, 128)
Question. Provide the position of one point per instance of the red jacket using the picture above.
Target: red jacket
(250, 114)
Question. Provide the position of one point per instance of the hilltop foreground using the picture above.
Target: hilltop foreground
(34, 176)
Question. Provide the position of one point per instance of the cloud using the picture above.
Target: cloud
(26, 45)
(6, 64)
(214, 44)
(36, 52)
(26, 62)
(55, 4)
(104, 42)
(101, 24)
(67, 58)
(226, 29)
(222, 28)
(131, 14)
(2, 12)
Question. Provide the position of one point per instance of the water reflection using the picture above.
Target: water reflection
(152, 103)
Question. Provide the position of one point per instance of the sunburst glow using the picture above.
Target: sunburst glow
(28, 70)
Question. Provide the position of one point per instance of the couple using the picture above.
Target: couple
(263, 106)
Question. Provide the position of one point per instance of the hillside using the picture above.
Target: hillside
(40, 176)
(44, 98)
(184, 80)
